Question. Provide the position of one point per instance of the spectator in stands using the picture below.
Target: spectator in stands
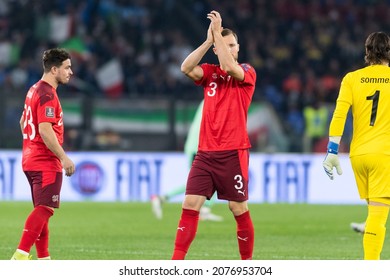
(316, 117)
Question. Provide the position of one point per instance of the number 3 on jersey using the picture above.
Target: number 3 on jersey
(213, 89)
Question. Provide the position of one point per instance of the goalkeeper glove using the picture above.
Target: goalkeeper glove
(332, 160)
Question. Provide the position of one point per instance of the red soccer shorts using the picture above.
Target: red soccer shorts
(224, 172)
(45, 187)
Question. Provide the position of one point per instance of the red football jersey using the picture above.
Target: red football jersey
(225, 110)
(41, 105)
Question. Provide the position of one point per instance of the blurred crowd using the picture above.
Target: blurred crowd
(300, 49)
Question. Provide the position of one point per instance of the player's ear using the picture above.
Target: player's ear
(54, 70)
(215, 51)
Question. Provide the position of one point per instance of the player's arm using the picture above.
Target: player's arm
(49, 138)
(343, 104)
(336, 129)
(190, 66)
(226, 60)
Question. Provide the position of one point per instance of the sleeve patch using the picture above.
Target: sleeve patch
(49, 112)
(246, 67)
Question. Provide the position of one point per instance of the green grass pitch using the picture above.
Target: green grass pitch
(129, 231)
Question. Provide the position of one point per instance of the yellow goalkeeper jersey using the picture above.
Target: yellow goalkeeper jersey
(367, 91)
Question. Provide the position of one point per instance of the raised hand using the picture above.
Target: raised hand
(216, 21)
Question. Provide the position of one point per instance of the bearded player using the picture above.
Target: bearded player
(221, 163)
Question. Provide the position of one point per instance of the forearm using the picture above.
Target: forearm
(194, 58)
(226, 60)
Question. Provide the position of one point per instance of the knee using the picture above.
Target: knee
(193, 202)
(238, 208)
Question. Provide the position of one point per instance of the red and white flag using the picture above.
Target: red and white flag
(110, 78)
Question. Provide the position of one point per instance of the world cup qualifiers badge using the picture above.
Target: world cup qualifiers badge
(49, 111)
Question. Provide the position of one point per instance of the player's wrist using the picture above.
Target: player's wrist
(333, 148)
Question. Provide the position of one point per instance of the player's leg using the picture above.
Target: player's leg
(188, 225)
(32, 229)
(372, 173)
(235, 173)
(199, 187)
(375, 231)
(360, 173)
(42, 244)
(245, 229)
(45, 188)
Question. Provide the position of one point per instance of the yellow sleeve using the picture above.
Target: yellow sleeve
(344, 102)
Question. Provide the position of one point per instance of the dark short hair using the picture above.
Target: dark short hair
(54, 57)
(377, 48)
(227, 31)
